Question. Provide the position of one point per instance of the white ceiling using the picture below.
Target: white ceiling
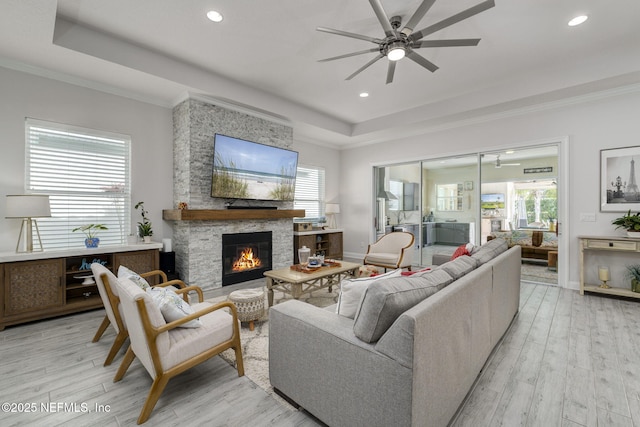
(264, 56)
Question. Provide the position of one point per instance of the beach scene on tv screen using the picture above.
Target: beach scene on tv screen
(248, 170)
(492, 201)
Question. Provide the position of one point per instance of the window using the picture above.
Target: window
(86, 174)
(310, 193)
(449, 197)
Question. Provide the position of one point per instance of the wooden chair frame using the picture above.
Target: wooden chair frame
(115, 302)
(400, 259)
(162, 376)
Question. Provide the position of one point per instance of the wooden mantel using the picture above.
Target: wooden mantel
(229, 214)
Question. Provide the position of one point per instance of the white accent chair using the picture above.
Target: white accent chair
(393, 250)
(105, 280)
(165, 349)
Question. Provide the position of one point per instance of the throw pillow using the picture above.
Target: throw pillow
(465, 249)
(549, 240)
(172, 306)
(522, 238)
(351, 291)
(125, 273)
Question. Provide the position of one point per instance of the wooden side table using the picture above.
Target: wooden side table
(552, 260)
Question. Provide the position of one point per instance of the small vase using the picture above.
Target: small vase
(634, 234)
(635, 285)
(91, 242)
(147, 239)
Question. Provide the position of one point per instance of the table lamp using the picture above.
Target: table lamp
(331, 210)
(28, 207)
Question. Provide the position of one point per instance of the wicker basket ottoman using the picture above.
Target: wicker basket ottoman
(249, 303)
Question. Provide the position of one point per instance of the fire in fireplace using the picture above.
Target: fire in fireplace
(246, 261)
(245, 256)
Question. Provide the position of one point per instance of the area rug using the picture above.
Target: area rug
(255, 344)
(538, 273)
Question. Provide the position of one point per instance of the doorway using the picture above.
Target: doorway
(519, 202)
(467, 198)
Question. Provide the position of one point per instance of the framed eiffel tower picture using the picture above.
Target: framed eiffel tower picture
(619, 191)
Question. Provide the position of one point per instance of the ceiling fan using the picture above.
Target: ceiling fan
(499, 163)
(397, 44)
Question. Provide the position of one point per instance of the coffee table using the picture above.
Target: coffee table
(295, 283)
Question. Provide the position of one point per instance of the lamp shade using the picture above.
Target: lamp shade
(332, 208)
(28, 206)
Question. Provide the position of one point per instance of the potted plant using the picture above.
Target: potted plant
(633, 272)
(631, 223)
(144, 227)
(91, 230)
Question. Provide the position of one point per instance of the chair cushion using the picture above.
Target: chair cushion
(384, 301)
(351, 291)
(184, 343)
(124, 272)
(382, 258)
(172, 306)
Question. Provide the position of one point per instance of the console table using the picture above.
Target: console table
(614, 252)
(39, 285)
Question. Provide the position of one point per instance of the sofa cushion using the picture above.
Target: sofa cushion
(506, 235)
(384, 301)
(490, 250)
(521, 237)
(459, 266)
(549, 240)
(351, 291)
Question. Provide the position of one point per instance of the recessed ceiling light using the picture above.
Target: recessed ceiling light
(578, 20)
(364, 94)
(214, 15)
(509, 152)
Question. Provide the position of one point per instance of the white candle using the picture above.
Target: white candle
(603, 273)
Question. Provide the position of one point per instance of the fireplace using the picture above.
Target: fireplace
(245, 256)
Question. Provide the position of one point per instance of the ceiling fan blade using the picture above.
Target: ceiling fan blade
(474, 10)
(422, 61)
(347, 55)
(348, 34)
(390, 71)
(417, 16)
(382, 17)
(445, 43)
(368, 64)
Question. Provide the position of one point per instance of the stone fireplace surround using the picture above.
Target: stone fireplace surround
(198, 243)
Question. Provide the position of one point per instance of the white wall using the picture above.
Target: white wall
(608, 122)
(150, 127)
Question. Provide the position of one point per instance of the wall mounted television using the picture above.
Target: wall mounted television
(249, 170)
(492, 201)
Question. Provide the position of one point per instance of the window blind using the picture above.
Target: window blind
(86, 174)
(309, 194)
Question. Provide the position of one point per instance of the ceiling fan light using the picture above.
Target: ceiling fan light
(396, 54)
(577, 20)
(214, 16)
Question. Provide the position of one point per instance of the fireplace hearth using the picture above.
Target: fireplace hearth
(245, 256)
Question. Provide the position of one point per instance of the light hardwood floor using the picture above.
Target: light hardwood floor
(568, 360)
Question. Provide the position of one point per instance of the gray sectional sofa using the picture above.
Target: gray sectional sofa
(413, 350)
